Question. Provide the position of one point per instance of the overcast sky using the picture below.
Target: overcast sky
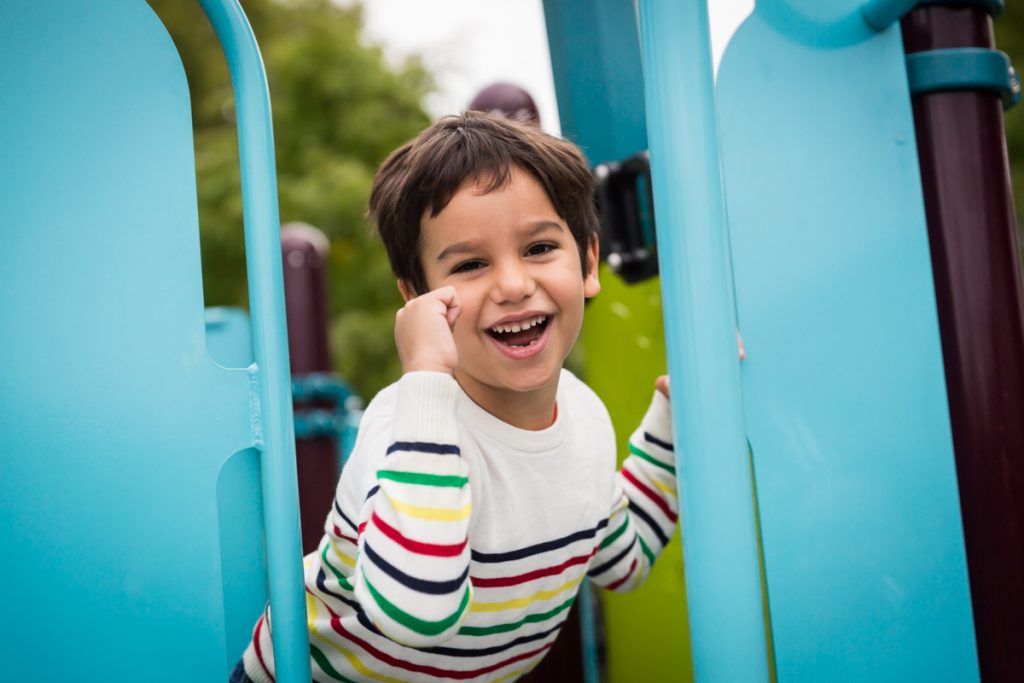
(468, 44)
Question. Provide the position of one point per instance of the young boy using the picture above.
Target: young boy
(482, 488)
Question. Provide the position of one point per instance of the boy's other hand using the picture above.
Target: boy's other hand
(661, 384)
(423, 331)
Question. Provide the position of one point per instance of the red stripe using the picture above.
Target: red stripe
(337, 532)
(655, 498)
(359, 530)
(256, 646)
(418, 547)
(621, 581)
(499, 581)
(430, 670)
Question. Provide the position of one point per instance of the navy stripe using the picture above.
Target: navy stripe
(371, 492)
(337, 508)
(658, 442)
(596, 571)
(419, 585)
(321, 583)
(540, 547)
(642, 514)
(424, 447)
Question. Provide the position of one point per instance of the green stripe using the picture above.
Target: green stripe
(451, 481)
(342, 579)
(608, 540)
(647, 551)
(421, 626)
(504, 628)
(325, 665)
(644, 456)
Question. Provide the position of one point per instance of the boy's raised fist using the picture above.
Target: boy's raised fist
(423, 331)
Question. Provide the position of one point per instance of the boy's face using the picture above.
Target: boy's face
(516, 268)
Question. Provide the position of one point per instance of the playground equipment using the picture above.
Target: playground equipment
(137, 471)
(146, 459)
(825, 269)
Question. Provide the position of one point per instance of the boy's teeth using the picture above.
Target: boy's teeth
(519, 325)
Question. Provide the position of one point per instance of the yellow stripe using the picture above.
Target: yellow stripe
(356, 663)
(432, 514)
(514, 674)
(345, 559)
(523, 602)
(664, 488)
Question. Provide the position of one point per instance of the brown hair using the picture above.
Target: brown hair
(424, 174)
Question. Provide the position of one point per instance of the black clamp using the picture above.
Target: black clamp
(625, 203)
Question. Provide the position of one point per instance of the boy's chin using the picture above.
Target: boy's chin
(521, 383)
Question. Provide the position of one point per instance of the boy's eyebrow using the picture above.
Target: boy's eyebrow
(472, 245)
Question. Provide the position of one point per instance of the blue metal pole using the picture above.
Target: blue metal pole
(717, 512)
(273, 423)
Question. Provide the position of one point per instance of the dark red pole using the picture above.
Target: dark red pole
(304, 252)
(972, 231)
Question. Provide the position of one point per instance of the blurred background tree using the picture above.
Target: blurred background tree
(1010, 39)
(338, 110)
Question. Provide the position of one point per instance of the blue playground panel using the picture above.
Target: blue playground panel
(132, 514)
(815, 247)
(138, 469)
(844, 391)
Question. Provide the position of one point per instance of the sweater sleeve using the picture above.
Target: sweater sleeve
(644, 507)
(405, 557)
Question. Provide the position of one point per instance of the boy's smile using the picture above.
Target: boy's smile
(517, 271)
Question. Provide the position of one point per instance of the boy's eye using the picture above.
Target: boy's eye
(540, 248)
(467, 266)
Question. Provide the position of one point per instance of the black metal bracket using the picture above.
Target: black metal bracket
(625, 203)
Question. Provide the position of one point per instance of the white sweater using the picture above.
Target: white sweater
(458, 542)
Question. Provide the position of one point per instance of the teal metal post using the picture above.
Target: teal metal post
(273, 423)
(719, 534)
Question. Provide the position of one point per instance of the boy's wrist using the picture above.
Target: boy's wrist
(427, 401)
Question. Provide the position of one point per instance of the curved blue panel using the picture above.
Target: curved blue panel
(114, 420)
(843, 385)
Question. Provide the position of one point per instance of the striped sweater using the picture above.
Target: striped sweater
(457, 542)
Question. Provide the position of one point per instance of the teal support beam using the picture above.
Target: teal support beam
(719, 533)
(274, 426)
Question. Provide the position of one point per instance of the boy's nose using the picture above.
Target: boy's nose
(512, 284)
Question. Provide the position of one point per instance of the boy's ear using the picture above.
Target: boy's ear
(591, 283)
(407, 291)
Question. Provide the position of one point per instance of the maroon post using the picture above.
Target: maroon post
(304, 253)
(971, 228)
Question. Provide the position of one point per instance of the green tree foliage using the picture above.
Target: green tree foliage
(1010, 39)
(338, 111)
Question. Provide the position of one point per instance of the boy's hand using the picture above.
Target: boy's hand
(423, 331)
(661, 384)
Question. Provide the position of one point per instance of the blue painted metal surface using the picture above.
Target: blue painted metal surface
(597, 76)
(229, 336)
(270, 343)
(132, 520)
(843, 385)
(717, 511)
